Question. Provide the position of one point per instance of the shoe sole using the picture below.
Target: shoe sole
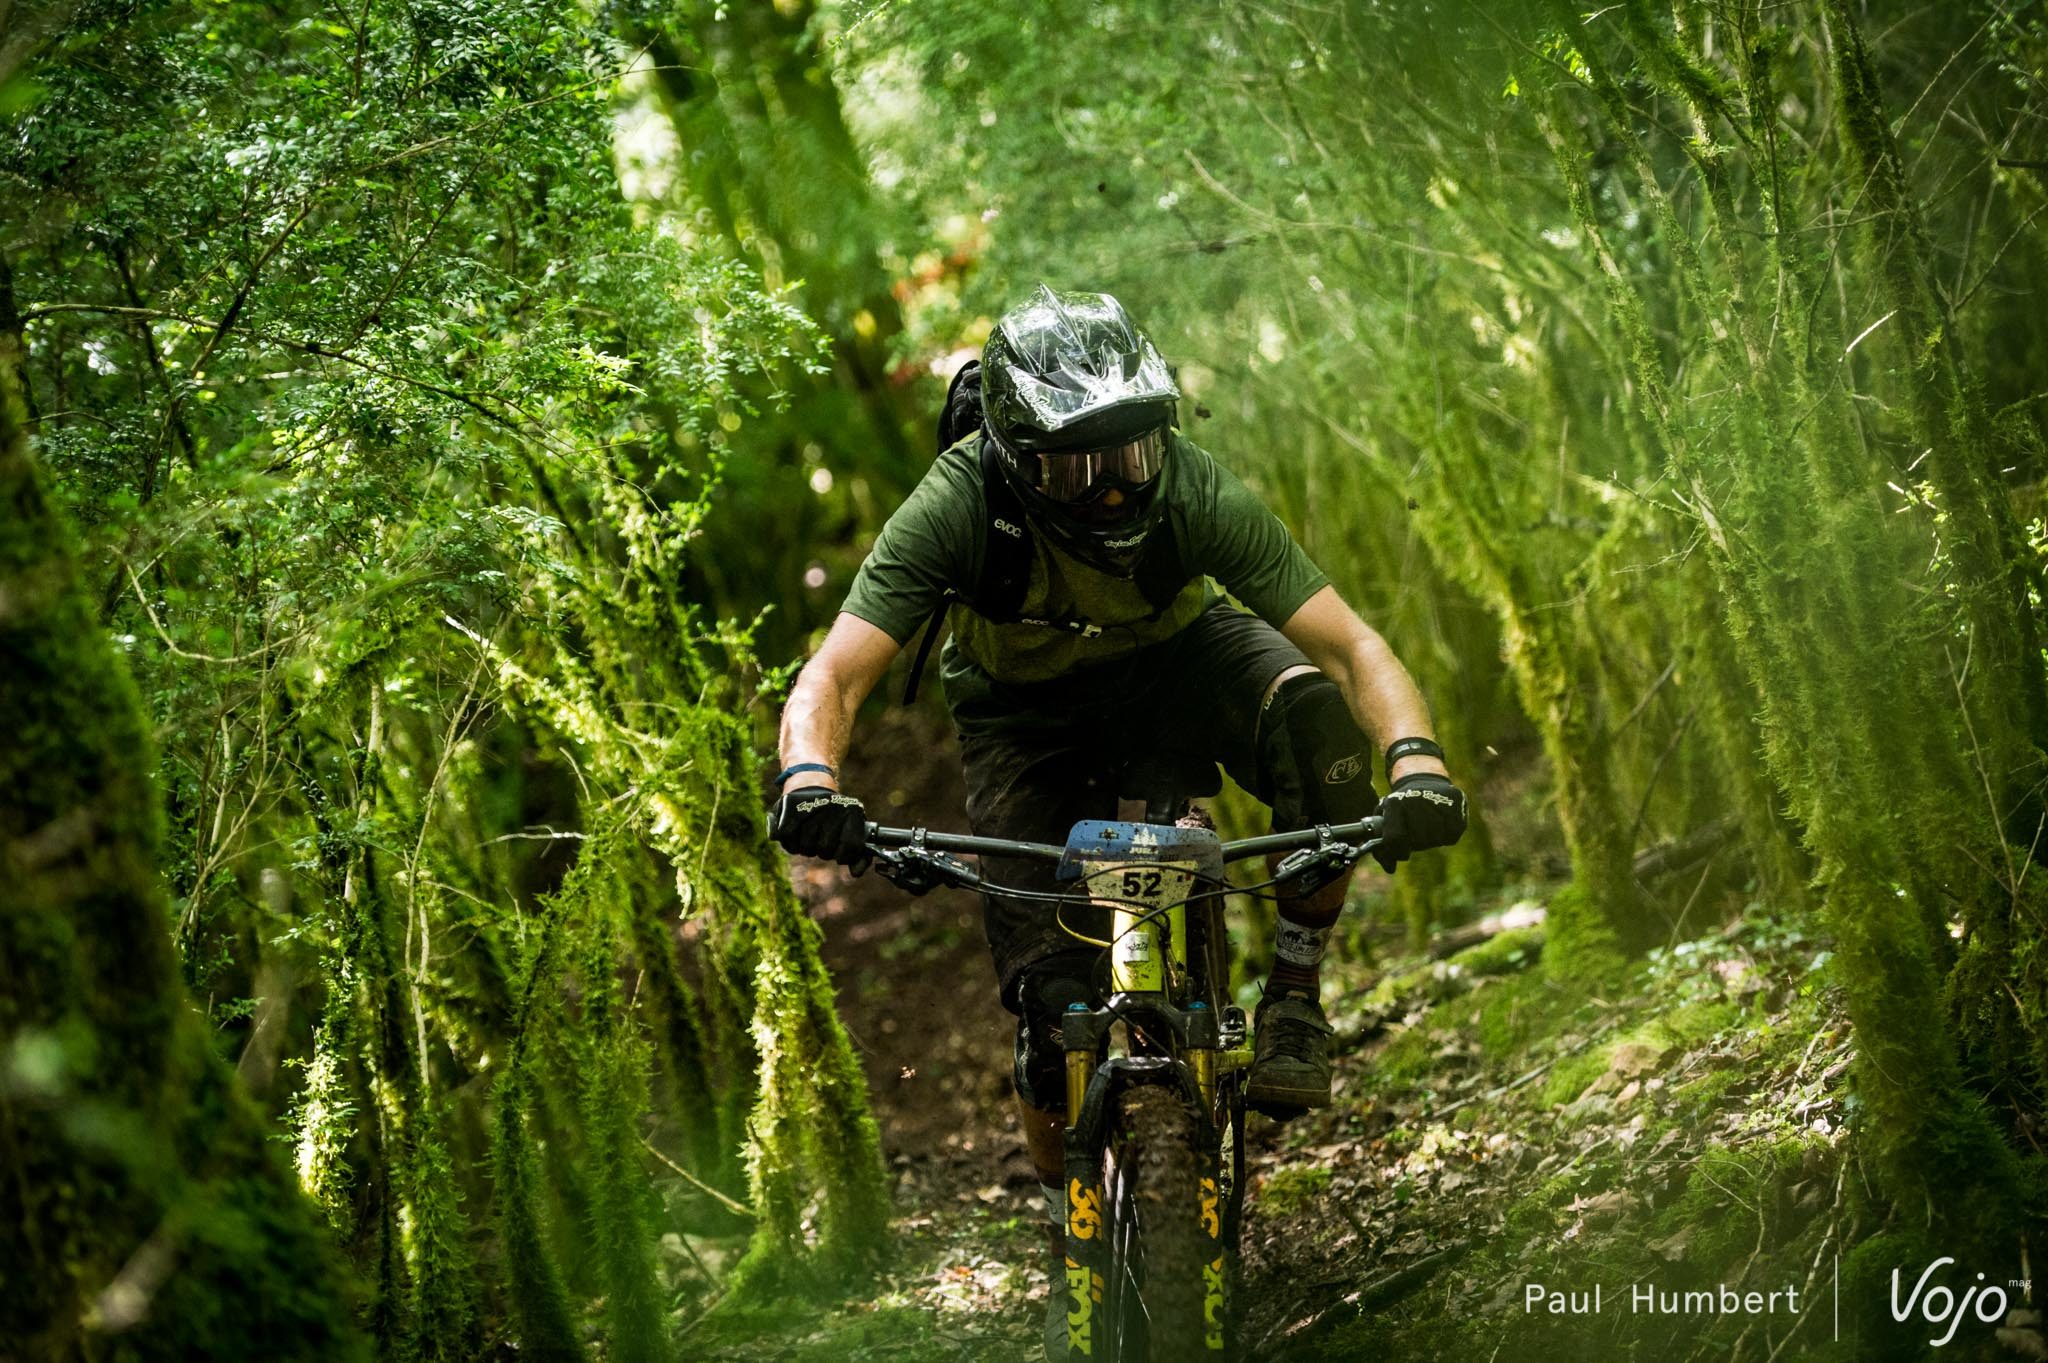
(1282, 1103)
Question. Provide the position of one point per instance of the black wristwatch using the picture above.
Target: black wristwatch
(795, 767)
(1410, 747)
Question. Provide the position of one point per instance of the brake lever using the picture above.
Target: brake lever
(917, 871)
(1317, 866)
(1313, 867)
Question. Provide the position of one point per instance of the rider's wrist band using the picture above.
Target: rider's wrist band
(794, 768)
(1411, 747)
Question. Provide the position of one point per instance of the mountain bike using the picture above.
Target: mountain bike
(1155, 1073)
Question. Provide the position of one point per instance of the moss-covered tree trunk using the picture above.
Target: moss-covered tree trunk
(1477, 536)
(1998, 990)
(148, 1214)
(1812, 575)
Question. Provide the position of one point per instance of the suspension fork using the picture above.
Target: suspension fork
(1087, 1259)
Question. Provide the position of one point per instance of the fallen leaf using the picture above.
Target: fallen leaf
(1672, 1247)
(1602, 1206)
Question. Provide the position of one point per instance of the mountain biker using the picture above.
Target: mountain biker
(1119, 646)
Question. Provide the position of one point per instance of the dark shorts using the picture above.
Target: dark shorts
(1052, 759)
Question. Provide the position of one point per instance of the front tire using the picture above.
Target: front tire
(1166, 1268)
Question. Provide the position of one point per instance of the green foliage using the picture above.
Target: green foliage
(544, 1320)
(131, 1147)
(1286, 1191)
(393, 429)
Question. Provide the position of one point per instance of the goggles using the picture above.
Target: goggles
(1077, 475)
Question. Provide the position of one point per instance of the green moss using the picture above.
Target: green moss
(1501, 953)
(612, 1103)
(1725, 1194)
(443, 1309)
(1705, 1093)
(1411, 1054)
(1693, 1022)
(1517, 1011)
(1581, 944)
(1569, 1077)
(1287, 1191)
(539, 1303)
(1535, 1213)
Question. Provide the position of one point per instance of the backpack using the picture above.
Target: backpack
(1005, 574)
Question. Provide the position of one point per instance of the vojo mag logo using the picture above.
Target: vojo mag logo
(1944, 1311)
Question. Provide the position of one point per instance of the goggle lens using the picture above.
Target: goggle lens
(1076, 475)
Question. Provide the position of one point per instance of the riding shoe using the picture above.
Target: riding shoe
(1291, 1057)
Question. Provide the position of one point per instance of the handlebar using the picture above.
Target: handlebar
(881, 838)
(919, 860)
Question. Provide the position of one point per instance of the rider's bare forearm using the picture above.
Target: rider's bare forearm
(1385, 700)
(817, 723)
(1382, 696)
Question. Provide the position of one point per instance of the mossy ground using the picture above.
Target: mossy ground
(1680, 1128)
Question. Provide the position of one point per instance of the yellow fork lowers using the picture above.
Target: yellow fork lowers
(1080, 1073)
(1204, 1061)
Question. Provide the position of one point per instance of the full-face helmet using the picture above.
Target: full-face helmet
(1080, 406)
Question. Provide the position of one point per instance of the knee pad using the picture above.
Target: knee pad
(1042, 998)
(1316, 761)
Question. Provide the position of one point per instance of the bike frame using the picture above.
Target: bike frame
(1174, 1035)
(1178, 1029)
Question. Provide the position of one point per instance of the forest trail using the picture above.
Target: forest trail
(1491, 1130)
(430, 443)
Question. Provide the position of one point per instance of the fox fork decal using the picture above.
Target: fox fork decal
(1084, 1210)
(1084, 1252)
(1212, 1272)
(1084, 1294)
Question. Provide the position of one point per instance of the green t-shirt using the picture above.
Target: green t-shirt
(934, 542)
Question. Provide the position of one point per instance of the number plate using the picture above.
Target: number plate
(1149, 921)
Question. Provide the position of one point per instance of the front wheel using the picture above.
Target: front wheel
(1166, 1284)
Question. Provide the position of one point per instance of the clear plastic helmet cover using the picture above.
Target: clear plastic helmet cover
(1078, 354)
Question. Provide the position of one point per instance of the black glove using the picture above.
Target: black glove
(813, 821)
(1422, 810)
